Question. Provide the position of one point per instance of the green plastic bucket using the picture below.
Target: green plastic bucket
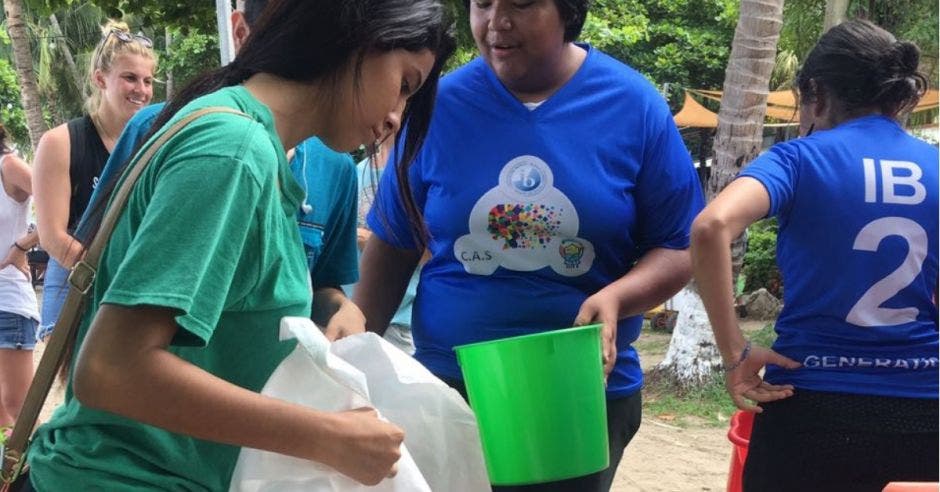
(540, 404)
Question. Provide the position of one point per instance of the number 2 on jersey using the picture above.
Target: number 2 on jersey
(868, 311)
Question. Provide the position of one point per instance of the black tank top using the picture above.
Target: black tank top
(87, 158)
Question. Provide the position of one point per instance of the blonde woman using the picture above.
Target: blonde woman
(70, 157)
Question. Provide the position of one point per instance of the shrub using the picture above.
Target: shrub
(760, 261)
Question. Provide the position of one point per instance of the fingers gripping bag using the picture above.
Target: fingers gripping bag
(313, 377)
(318, 374)
(441, 430)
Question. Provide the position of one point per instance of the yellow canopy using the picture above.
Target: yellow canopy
(695, 115)
(781, 105)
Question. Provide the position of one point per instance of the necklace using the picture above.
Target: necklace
(103, 133)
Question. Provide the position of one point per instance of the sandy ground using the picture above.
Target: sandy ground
(666, 458)
(661, 457)
(670, 459)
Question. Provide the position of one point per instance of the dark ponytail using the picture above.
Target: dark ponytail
(901, 84)
(864, 68)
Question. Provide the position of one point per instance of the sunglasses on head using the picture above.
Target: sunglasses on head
(127, 37)
(124, 37)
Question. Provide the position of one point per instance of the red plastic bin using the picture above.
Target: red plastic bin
(740, 435)
(912, 487)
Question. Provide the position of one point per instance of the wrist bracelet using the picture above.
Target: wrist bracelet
(17, 245)
(744, 354)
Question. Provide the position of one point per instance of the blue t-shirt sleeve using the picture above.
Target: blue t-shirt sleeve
(134, 132)
(668, 193)
(388, 219)
(776, 169)
(338, 263)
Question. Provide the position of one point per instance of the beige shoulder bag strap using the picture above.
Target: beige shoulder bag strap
(80, 281)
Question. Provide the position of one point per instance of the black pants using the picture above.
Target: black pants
(623, 420)
(835, 441)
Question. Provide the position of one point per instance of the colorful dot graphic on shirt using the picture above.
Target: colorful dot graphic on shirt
(527, 226)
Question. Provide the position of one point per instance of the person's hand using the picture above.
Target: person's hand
(17, 258)
(347, 320)
(602, 308)
(368, 448)
(745, 383)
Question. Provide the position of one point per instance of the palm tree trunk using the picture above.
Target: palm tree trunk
(744, 100)
(835, 13)
(63, 46)
(168, 36)
(22, 58)
(692, 357)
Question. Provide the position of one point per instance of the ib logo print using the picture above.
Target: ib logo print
(524, 224)
(526, 178)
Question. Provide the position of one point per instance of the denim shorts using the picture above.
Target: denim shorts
(17, 332)
(54, 289)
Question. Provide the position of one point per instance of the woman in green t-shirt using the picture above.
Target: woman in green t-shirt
(206, 259)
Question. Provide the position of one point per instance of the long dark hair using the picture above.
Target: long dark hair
(311, 40)
(864, 68)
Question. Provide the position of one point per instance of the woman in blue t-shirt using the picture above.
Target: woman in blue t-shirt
(554, 190)
(849, 397)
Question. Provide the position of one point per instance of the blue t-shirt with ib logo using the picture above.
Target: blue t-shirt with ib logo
(857, 249)
(529, 212)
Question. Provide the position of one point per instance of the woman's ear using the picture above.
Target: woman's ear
(98, 79)
(240, 29)
(822, 105)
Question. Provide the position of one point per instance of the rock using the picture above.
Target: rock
(664, 320)
(761, 304)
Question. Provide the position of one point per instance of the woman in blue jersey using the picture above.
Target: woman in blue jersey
(182, 331)
(554, 190)
(849, 397)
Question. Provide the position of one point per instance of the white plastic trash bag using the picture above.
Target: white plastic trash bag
(313, 377)
(440, 429)
(436, 420)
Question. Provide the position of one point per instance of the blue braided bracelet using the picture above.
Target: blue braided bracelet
(744, 354)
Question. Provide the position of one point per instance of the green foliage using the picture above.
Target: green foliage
(677, 44)
(802, 26)
(466, 49)
(612, 26)
(760, 261)
(784, 72)
(708, 404)
(11, 110)
(190, 55)
(682, 43)
(764, 337)
(178, 13)
(911, 20)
